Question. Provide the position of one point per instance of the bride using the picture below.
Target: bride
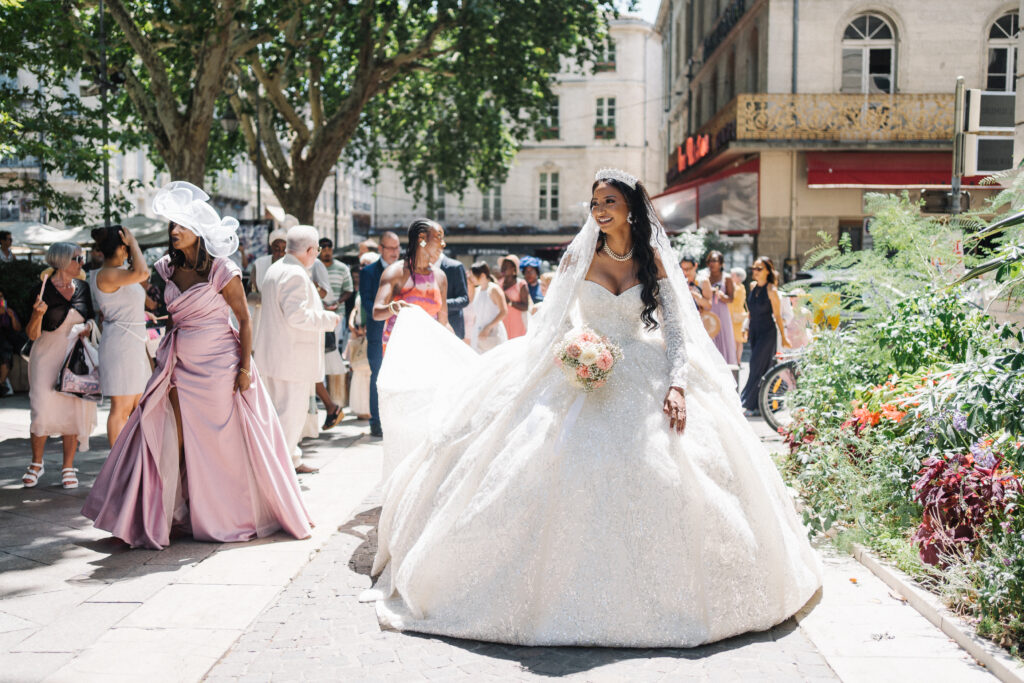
(522, 510)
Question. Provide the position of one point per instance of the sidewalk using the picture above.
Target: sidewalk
(77, 605)
(856, 630)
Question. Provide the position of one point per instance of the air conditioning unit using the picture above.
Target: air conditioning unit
(987, 154)
(988, 112)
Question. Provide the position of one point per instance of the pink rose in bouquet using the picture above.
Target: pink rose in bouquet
(586, 358)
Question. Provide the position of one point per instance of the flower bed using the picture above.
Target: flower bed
(908, 436)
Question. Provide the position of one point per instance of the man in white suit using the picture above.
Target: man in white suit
(289, 344)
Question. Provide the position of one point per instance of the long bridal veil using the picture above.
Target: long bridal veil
(442, 393)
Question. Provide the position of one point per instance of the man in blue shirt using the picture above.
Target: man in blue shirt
(369, 282)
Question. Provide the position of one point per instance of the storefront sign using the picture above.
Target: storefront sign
(693, 150)
(697, 147)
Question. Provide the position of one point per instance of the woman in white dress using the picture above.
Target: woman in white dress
(355, 351)
(119, 295)
(644, 514)
(489, 309)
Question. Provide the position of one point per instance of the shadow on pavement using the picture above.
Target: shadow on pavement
(364, 527)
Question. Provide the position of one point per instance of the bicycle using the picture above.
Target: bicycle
(776, 389)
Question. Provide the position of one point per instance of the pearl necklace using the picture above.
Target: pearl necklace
(625, 257)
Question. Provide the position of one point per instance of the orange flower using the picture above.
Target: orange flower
(866, 417)
(891, 412)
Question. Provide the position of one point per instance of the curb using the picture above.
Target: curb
(992, 657)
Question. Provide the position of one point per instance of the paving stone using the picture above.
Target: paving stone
(76, 629)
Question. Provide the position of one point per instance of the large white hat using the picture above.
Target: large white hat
(185, 204)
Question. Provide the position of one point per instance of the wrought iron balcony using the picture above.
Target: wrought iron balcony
(724, 25)
(19, 162)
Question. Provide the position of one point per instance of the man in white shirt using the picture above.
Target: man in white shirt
(290, 340)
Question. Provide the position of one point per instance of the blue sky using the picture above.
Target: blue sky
(648, 9)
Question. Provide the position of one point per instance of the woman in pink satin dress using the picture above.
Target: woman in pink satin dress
(204, 451)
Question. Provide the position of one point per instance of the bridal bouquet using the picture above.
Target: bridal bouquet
(586, 358)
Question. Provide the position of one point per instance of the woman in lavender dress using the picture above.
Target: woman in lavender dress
(118, 295)
(721, 297)
(204, 451)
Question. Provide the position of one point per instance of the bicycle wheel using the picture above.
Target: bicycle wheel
(773, 396)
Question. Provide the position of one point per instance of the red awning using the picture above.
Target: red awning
(910, 170)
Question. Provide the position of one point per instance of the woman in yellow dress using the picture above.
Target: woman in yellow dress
(738, 308)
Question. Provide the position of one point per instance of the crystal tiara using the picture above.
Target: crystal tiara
(616, 174)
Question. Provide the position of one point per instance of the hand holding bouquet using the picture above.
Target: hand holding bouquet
(586, 358)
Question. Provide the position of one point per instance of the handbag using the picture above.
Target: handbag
(330, 341)
(79, 374)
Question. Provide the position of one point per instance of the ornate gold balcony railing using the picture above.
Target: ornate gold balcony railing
(840, 117)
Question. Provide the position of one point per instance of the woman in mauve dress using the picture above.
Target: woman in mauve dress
(204, 451)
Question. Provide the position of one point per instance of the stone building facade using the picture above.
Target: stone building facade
(607, 115)
(781, 114)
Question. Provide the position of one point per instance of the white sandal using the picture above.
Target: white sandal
(31, 476)
(69, 478)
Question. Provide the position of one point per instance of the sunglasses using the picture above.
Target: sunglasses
(758, 268)
(80, 259)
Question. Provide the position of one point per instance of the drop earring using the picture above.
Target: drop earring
(423, 243)
(629, 218)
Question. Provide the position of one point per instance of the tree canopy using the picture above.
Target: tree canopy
(444, 90)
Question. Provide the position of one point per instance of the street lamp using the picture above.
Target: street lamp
(103, 108)
(107, 83)
(229, 121)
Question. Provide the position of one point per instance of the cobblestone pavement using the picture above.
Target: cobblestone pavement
(318, 631)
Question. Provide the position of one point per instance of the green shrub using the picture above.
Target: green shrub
(19, 281)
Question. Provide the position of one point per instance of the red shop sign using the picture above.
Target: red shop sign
(693, 150)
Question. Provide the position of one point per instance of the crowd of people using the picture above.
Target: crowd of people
(247, 364)
(205, 434)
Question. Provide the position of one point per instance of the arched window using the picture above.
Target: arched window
(1002, 53)
(869, 56)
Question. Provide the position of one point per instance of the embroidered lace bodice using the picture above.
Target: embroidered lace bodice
(618, 318)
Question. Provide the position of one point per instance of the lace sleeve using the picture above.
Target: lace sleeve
(672, 330)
